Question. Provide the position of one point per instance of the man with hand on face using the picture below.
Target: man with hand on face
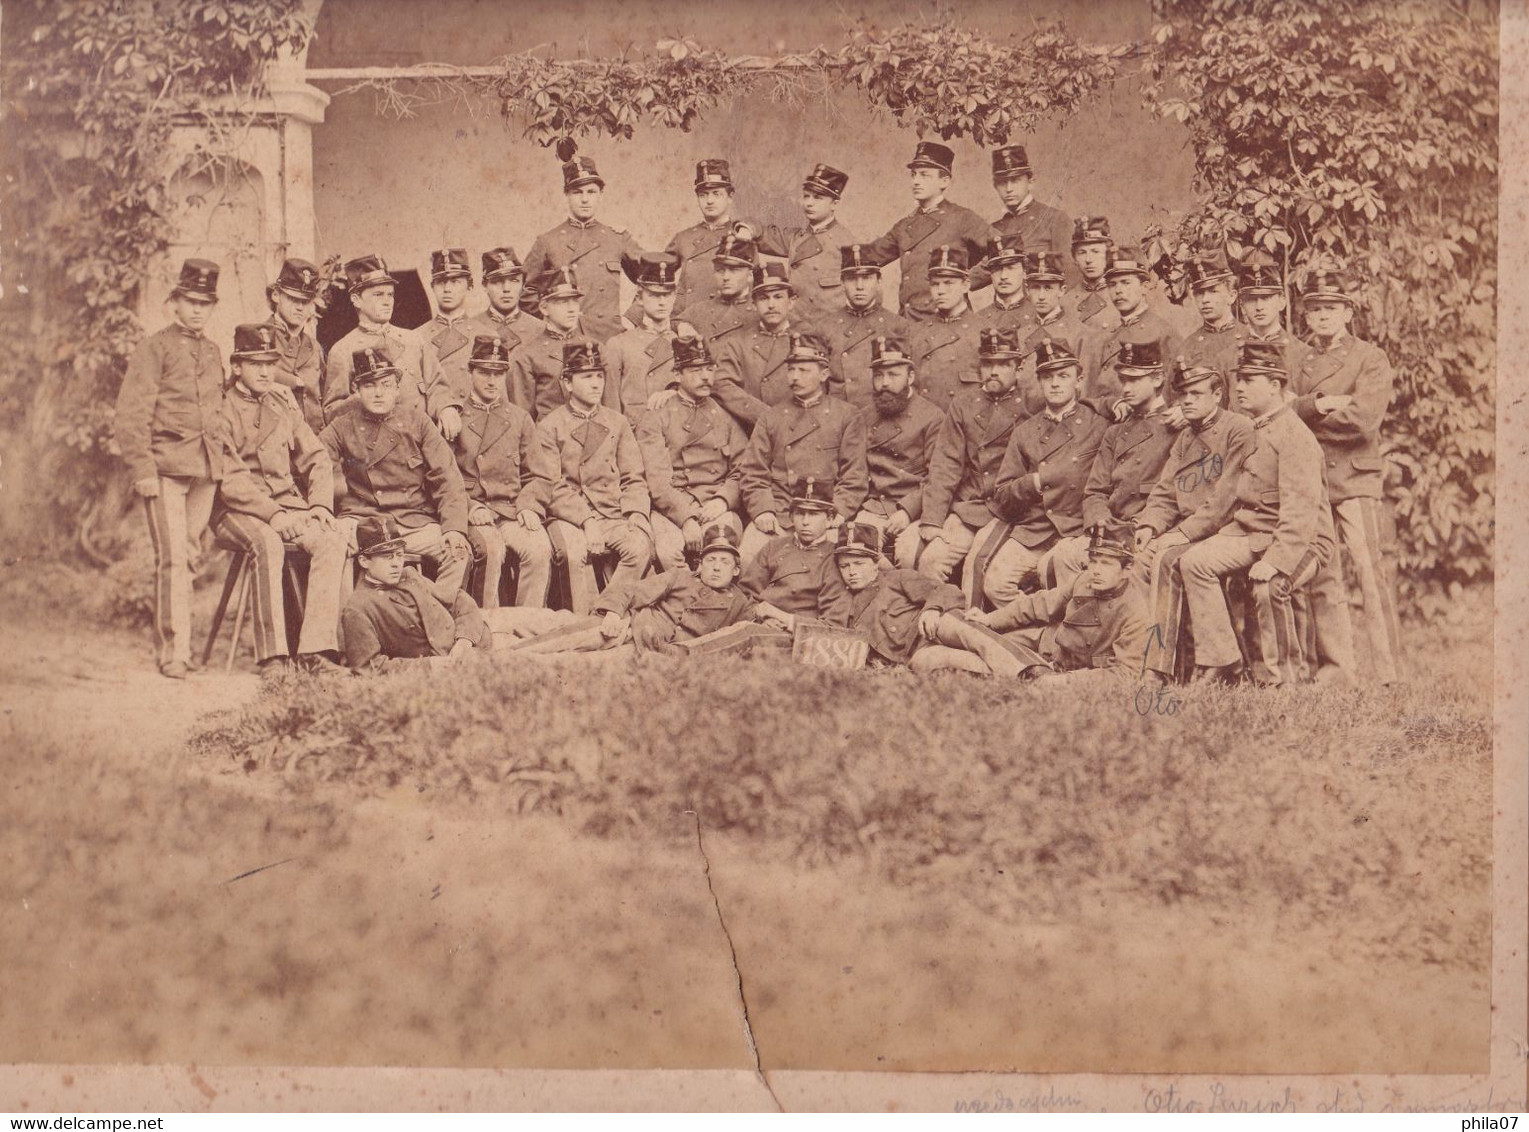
(945, 344)
(269, 448)
(503, 280)
(1342, 391)
(1192, 500)
(1038, 496)
(852, 328)
(640, 361)
(393, 462)
(1038, 226)
(371, 293)
(970, 448)
(812, 435)
(691, 449)
(301, 365)
(1215, 342)
(1130, 456)
(446, 335)
(751, 363)
(582, 242)
(508, 481)
(811, 252)
(1010, 308)
(1091, 248)
(901, 429)
(600, 499)
(1126, 277)
(1261, 298)
(1280, 531)
(731, 305)
(536, 365)
(934, 222)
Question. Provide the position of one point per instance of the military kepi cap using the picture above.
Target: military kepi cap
(652, 271)
(1052, 354)
(255, 342)
(1125, 262)
(1011, 161)
(1206, 270)
(999, 343)
(579, 172)
(719, 536)
(810, 493)
(502, 263)
(692, 353)
(378, 534)
(1112, 539)
(1005, 248)
(890, 350)
(933, 155)
(1044, 267)
(1260, 275)
(858, 539)
(1091, 230)
(949, 260)
(769, 276)
(1187, 373)
(826, 180)
(736, 251)
(366, 271)
(1138, 359)
(1262, 357)
(371, 364)
(299, 278)
(198, 280)
(712, 173)
(582, 357)
(489, 352)
(450, 263)
(808, 347)
(853, 261)
(1326, 282)
(559, 283)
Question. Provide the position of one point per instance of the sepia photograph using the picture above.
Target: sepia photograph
(887, 555)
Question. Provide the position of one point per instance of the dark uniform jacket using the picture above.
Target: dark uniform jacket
(1126, 467)
(967, 455)
(945, 355)
(788, 575)
(301, 369)
(1216, 348)
(1350, 436)
(673, 606)
(594, 251)
(897, 455)
(886, 612)
(503, 466)
(421, 371)
(392, 628)
(1042, 228)
(169, 407)
(910, 242)
(397, 465)
(813, 260)
(691, 452)
(824, 440)
(1062, 453)
(638, 363)
(1093, 306)
(599, 466)
(696, 246)
(1085, 628)
(1020, 317)
(1198, 485)
(1063, 326)
(535, 380)
(267, 442)
(512, 331)
(715, 318)
(1101, 385)
(751, 371)
(1294, 350)
(849, 333)
(1281, 497)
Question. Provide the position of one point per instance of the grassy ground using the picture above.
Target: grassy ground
(499, 866)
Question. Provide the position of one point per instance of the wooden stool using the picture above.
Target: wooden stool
(240, 578)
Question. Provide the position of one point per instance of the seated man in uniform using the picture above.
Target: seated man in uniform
(786, 577)
(1094, 623)
(599, 496)
(901, 431)
(393, 461)
(372, 290)
(751, 362)
(536, 365)
(508, 480)
(269, 447)
(811, 435)
(396, 621)
(691, 450)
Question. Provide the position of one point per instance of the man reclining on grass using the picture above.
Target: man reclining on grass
(396, 620)
(1094, 623)
(669, 612)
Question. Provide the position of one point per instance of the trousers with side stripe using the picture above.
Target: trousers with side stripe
(326, 551)
(1281, 656)
(1358, 523)
(177, 517)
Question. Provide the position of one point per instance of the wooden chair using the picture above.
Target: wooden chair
(238, 580)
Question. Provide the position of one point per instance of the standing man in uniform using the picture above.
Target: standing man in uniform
(814, 435)
(967, 455)
(945, 344)
(812, 252)
(1127, 279)
(901, 429)
(536, 365)
(503, 280)
(169, 429)
(691, 453)
(301, 365)
(1045, 280)
(1010, 308)
(640, 361)
(935, 221)
(852, 328)
(731, 305)
(1091, 248)
(270, 448)
(371, 293)
(1261, 298)
(446, 334)
(1216, 340)
(1342, 392)
(1039, 227)
(751, 363)
(581, 241)
(697, 245)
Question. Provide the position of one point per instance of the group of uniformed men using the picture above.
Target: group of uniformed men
(1061, 480)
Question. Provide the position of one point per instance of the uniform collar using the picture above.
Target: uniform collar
(1023, 206)
(379, 329)
(445, 321)
(1114, 591)
(1135, 316)
(667, 329)
(1058, 418)
(812, 402)
(238, 390)
(473, 402)
(553, 332)
(1198, 427)
(862, 312)
(685, 399)
(580, 414)
(1094, 284)
(1259, 422)
(495, 316)
(1054, 316)
(931, 209)
(581, 225)
(819, 229)
(1231, 321)
(1338, 340)
(187, 331)
(957, 314)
